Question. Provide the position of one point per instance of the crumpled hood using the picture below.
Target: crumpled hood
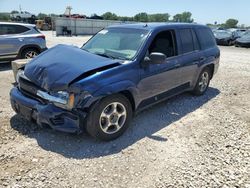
(56, 68)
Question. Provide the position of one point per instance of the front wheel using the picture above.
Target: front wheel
(202, 82)
(109, 119)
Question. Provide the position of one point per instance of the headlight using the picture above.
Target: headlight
(20, 73)
(61, 99)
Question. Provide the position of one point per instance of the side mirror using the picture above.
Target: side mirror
(157, 58)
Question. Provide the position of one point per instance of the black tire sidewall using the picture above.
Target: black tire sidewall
(196, 90)
(92, 124)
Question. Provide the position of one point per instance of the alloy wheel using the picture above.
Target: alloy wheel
(30, 54)
(204, 80)
(112, 118)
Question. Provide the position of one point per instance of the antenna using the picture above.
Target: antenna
(68, 11)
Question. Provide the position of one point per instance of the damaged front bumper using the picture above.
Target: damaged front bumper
(46, 114)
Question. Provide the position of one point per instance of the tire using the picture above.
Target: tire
(202, 82)
(29, 53)
(102, 121)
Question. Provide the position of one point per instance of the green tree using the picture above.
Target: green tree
(159, 17)
(109, 16)
(41, 16)
(183, 17)
(231, 23)
(141, 17)
(4, 16)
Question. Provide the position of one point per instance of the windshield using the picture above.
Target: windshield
(246, 35)
(117, 43)
(222, 34)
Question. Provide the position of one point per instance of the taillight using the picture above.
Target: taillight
(41, 36)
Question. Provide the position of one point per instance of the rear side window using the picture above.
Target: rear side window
(195, 41)
(187, 40)
(12, 29)
(206, 38)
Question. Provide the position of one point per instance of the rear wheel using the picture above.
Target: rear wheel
(202, 82)
(109, 118)
(29, 53)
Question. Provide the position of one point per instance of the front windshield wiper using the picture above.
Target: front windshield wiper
(104, 55)
(107, 55)
(111, 56)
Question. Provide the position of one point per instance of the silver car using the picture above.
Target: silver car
(20, 41)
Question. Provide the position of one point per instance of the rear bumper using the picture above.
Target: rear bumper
(48, 114)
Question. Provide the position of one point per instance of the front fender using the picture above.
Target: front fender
(113, 88)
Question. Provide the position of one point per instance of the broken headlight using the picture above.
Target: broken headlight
(62, 99)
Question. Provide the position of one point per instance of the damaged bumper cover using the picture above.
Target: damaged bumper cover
(46, 114)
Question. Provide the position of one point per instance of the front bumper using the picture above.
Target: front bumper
(242, 44)
(46, 114)
(222, 42)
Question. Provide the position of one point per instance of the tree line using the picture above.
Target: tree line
(143, 17)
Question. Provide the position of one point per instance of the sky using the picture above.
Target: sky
(204, 11)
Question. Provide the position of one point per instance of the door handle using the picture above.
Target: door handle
(203, 58)
(20, 39)
(177, 65)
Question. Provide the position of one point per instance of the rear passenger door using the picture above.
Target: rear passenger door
(190, 56)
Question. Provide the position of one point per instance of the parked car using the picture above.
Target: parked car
(22, 15)
(19, 40)
(244, 41)
(224, 37)
(240, 32)
(120, 71)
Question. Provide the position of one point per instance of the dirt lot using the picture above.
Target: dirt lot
(184, 142)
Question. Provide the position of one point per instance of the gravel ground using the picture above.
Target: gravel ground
(183, 142)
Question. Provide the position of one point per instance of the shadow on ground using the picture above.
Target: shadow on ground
(145, 124)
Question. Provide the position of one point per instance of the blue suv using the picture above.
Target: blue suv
(119, 71)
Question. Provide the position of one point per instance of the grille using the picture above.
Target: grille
(30, 89)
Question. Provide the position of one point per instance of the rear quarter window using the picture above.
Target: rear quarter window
(206, 38)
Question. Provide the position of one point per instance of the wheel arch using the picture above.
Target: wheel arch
(211, 68)
(125, 88)
(29, 46)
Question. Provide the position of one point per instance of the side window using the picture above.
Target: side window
(12, 29)
(195, 40)
(3, 30)
(20, 29)
(164, 43)
(206, 38)
(187, 40)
